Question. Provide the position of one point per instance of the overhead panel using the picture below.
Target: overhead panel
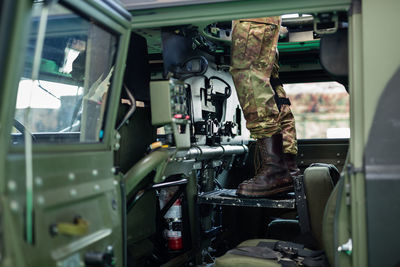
(145, 4)
(158, 13)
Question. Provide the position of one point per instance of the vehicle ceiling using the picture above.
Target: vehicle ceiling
(299, 58)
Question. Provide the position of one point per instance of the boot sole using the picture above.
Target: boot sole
(265, 193)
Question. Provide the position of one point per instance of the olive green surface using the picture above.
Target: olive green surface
(373, 55)
(328, 224)
(231, 260)
(318, 187)
(69, 180)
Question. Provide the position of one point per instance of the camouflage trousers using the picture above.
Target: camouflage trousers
(254, 46)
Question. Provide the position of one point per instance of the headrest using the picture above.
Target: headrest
(137, 72)
(334, 56)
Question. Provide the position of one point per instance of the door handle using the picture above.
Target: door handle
(78, 227)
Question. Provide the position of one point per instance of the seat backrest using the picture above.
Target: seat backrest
(319, 181)
(137, 71)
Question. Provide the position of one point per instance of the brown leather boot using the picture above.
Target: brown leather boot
(274, 176)
(290, 160)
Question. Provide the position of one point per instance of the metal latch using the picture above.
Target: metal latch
(346, 247)
(326, 23)
(353, 170)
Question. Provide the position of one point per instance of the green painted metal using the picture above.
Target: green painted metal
(27, 136)
(68, 180)
(78, 179)
(191, 193)
(380, 48)
(367, 82)
(230, 10)
(141, 169)
(298, 46)
(356, 148)
(13, 35)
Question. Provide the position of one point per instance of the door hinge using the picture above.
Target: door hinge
(351, 170)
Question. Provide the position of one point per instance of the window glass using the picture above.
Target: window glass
(66, 101)
(321, 110)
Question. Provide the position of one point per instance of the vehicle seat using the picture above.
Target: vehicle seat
(319, 180)
(139, 133)
(136, 136)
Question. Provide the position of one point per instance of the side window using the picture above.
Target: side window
(62, 99)
(321, 110)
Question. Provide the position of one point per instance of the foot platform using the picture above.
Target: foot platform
(228, 197)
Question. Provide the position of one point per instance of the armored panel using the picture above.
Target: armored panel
(382, 159)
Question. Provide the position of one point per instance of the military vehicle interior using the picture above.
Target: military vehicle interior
(179, 120)
(196, 58)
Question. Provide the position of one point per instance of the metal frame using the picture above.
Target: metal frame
(210, 12)
(89, 165)
(228, 197)
(110, 20)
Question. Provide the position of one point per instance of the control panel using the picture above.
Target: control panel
(169, 102)
(170, 108)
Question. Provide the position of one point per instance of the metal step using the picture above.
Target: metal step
(228, 197)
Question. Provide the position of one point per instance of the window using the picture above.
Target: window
(62, 96)
(321, 110)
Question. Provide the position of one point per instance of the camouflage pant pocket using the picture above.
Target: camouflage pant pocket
(247, 39)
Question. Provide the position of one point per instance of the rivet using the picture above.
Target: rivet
(338, 154)
(117, 146)
(38, 181)
(301, 162)
(40, 200)
(96, 187)
(14, 205)
(12, 185)
(113, 170)
(71, 176)
(73, 192)
(116, 182)
(302, 155)
(95, 172)
(338, 162)
(118, 136)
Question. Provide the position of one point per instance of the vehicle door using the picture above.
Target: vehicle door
(60, 196)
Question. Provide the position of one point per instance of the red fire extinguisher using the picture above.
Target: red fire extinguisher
(174, 231)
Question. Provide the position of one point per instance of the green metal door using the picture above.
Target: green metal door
(61, 200)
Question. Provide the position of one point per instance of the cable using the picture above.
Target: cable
(47, 91)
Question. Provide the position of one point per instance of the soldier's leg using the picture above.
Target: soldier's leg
(253, 56)
(287, 122)
(251, 69)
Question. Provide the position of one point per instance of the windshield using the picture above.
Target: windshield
(66, 101)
